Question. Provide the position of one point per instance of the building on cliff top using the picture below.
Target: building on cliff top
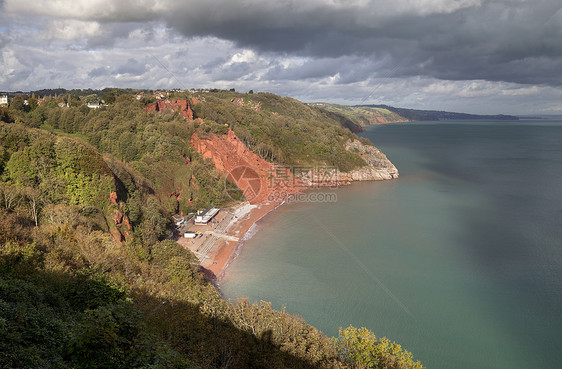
(4, 100)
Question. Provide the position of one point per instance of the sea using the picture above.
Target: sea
(459, 260)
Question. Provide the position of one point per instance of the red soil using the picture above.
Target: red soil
(120, 220)
(258, 179)
(181, 106)
(113, 197)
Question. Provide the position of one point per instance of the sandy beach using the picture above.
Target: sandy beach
(223, 237)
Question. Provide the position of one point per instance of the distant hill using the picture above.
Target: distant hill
(355, 117)
(430, 115)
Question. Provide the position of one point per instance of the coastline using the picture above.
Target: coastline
(226, 253)
(223, 249)
(266, 186)
(235, 225)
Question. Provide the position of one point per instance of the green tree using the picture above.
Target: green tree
(32, 102)
(109, 97)
(362, 349)
(22, 169)
(19, 103)
(6, 116)
(92, 99)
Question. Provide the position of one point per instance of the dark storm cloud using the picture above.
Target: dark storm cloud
(232, 72)
(499, 40)
(513, 41)
(213, 64)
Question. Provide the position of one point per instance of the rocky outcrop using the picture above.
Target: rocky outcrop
(377, 168)
(376, 117)
(121, 224)
(181, 106)
(250, 104)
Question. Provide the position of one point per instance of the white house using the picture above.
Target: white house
(4, 100)
(178, 220)
(204, 216)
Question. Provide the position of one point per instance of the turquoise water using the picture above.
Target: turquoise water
(459, 260)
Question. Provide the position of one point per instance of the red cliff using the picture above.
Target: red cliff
(120, 220)
(181, 106)
(258, 179)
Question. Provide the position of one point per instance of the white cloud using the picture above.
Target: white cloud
(70, 30)
(245, 56)
(123, 10)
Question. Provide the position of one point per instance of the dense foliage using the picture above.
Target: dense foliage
(363, 349)
(74, 295)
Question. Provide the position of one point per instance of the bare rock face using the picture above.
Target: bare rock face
(113, 197)
(181, 106)
(257, 178)
(121, 225)
(251, 104)
(377, 168)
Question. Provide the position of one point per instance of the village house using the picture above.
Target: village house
(161, 95)
(178, 220)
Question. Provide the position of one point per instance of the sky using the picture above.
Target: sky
(474, 56)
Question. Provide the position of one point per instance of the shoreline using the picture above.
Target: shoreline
(225, 246)
(266, 186)
(248, 228)
(234, 225)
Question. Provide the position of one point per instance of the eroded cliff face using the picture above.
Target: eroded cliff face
(261, 181)
(121, 227)
(181, 106)
(257, 178)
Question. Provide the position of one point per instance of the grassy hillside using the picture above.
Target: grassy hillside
(87, 277)
(363, 115)
(434, 115)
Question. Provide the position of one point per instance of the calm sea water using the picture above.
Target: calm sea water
(459, 260)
